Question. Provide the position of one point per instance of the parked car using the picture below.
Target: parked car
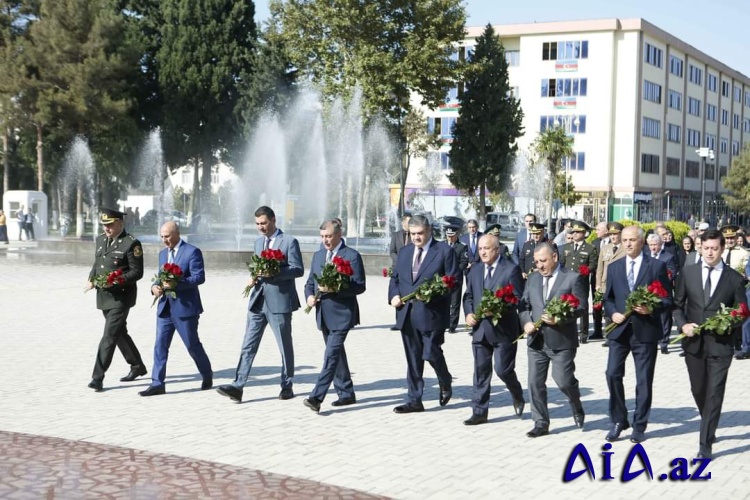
(150, 219)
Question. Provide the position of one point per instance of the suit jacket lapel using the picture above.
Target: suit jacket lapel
(645, 264)
(426, 259)
(557, 284)
(718, 284)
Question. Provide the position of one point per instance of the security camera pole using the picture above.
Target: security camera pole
(704, 153)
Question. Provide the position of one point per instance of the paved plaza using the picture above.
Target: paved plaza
(267, 448)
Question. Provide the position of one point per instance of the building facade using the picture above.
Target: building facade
(638, 102)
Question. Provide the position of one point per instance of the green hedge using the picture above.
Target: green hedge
(679, 229)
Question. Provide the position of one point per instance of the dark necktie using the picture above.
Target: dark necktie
(329, 256)
(488, 278)
(729, 257)
(267, 243)
(473, 244)
(545, 288)
(406, 238)
(109, 244)
(707, 287)
(614, 249)
(171, 256)
(576, 247)
(417, 263)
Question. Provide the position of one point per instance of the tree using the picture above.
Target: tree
(431, 175)
(565, 191)
(737, 181)
(553, 145)
(417, 144)
(489, 123)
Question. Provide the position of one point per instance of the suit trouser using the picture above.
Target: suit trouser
(644, 358)
(597, 315)
(666, 324)
(505, 366)
(746, 336)
(4, 234)
(563, 373)
(281, 325)
(335, 367)
(421, 346)
(708, 379)
(187, 328)
(455, 310)
(115, 335)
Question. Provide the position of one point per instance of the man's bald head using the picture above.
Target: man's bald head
(170, 234)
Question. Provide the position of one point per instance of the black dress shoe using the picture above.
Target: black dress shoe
(476, 420)
(153, 390)
(445, 395)
(207, 383)
(344, 401)
(637, 436)
(518, 405)
(664, 349)
(286, 393)
(605, 343)
(409, 408)
(96, 385)
(313, 404)
(231, 392)
(538, 430)
(451, 330)
(579, 419)
(705, 452)
(134, 374)
(742, 355)
(596, 336)
(616, 430)
(584, 338)
(394, 328)
(682, 354)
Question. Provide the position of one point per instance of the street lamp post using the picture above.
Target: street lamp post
(704, 153)
(567, 121)
(667, 194)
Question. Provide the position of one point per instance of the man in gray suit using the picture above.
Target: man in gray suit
(554, 342)
(272, 301)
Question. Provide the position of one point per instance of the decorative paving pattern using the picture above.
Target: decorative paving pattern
(33, 467)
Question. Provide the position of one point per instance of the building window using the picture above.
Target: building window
(725, 88)
(446, 127)
(710, 171)
(451, 98)
(692, 169)
(710, 112)
(694, 106)
(649, 163)
(711, 81)
(747, 98)
(214, 178)
(577, 123)
(462, 53)
(514, 92)
(652, 91)
(724, 117)
(735, 148)
(673, 166)
(722, 171)
(695, 75)
(651, 128)
(675, 66)
(513, 57)
(576, 162)
(724, 145)
(555, 51)
(746, 125)
(564, 87)
(710, 141)
(653, 55)
(675, 100)
(673, 134)
(693, 137)
(437, 160)
(737, 94)
(736, 121)
(434, 125)
(187, 177)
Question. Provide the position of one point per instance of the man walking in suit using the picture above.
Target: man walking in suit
(462, 259)
(522, 237)
(336, 312)
(490, 340)
(399, 239)
(602, 238)
(638, 333)
(656, 250)
(574, 255)
(526, 262)
(471, 240)
(116, 249)
(272, 301)
(422, 324)
(608, 254)
(554, 342)
(700, 292)
(180, 313)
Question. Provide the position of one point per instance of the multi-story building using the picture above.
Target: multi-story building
(638, 102)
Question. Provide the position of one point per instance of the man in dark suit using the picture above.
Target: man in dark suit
(574, 255)
(694, 257)
(462, 259)
(601, 239)
(272, 301)
(490, 340)
(700, 292)
(555, 342)
(399, 239)
(639, 333)
(116, 249)
(336, 312)
(522, 237)
(656, 250)
(471, 240)
(422, 324)
(526, 259)
(181, 312)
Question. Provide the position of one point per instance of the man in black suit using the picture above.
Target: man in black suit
(638, 333)
(490, 340)
(601, 239)
(700, 292)
(471, 240)
(554, 342)
(399, 239)
(657, 251)
(522, 237)
(462, 259)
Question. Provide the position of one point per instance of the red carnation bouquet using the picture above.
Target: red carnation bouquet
(559, 308)
(334, 277)
(169, 273)
(387, 272)
(437, 286)
(584, 270)
(598, 300)
(722, 322)
(265, 265)
(494, 304)
(649, 296)
(107, 280)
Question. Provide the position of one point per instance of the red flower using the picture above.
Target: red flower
(506, 294)
(744, 311)
(449, 281)
(598, 306)
(570, 299)
(669, 274)
(385, 272)
(584, 270)
(657, 289)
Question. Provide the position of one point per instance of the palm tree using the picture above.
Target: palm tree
(554, 144)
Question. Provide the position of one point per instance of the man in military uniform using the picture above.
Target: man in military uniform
(116, 250)
(574, 255)
(526, 259)
(462, 258)
(734, 256)
(494, 229)
(609, 253)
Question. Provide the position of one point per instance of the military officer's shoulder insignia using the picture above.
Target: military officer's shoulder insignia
(137, 250)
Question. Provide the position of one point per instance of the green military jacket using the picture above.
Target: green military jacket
(587, 255)
(126, 253)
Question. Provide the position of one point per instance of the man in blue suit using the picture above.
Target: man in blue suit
(422, 324)
(180, 313)
(490, 340)
(272, 301)
(522, 237)
(657, 251)
(471, 240)
(336, 312)
(639, 333)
